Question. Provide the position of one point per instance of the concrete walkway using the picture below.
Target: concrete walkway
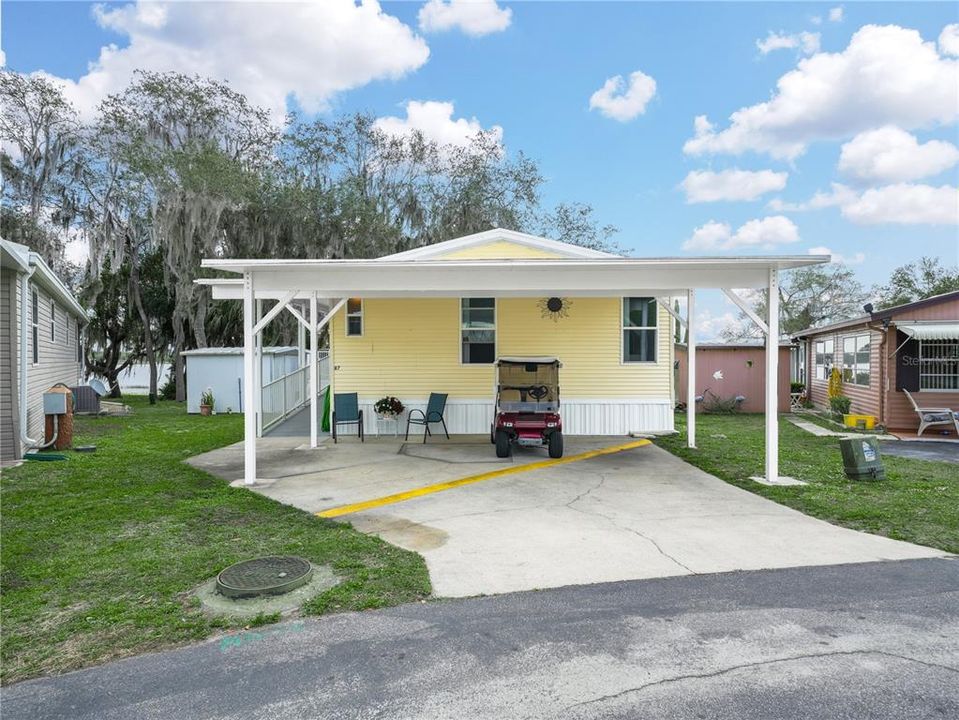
(851, 641)
(641, 513)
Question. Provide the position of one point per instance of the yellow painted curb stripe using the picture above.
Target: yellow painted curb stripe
(439, 487)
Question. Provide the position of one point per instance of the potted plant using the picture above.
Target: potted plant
(206, 402)
(388, 407)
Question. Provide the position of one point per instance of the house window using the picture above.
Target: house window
(939, 364)
(35, 322)
(855, 360)
(354, 317)
(478, 330)
(824, 359)
(53, 321)
(639, 329)
(79, 344)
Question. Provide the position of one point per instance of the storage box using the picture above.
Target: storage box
(862, 422)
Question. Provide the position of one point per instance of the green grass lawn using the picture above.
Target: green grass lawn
(918, 502)
(100, 552)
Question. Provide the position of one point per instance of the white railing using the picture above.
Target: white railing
(287, 394)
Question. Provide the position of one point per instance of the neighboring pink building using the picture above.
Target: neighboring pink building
(743, 368)
(912, 347)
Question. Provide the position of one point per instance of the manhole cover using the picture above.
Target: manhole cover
(273, 575)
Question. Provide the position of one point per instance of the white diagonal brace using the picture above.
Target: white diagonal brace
(744, 306)
(275, 310)
(329, 316)
(299, 317)
(666, 306)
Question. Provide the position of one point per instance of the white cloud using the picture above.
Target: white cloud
(901, 203)
(473, 17)
(854, 259)
(905, 204)
(836, 14)
(710, 328)
(816, 19)
(807, 42)
(949, 40)
(767, 232)
(734, 184)
(887, 75)
(435, 120)
(617, 101)
(890, 154)
(268, 51)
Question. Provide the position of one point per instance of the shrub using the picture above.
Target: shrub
(839, 406)
(168, 388)
(797, 387)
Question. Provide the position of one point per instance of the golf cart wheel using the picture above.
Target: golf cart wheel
(503, 447)
(492, 435)
(556, 445)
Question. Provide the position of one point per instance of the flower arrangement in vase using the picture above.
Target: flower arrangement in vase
(388, 407)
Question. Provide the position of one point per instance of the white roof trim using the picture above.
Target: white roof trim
(25, 258)
(592, 277)
(496, 235)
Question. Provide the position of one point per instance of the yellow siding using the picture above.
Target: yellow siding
(499, 250)
(412, 347)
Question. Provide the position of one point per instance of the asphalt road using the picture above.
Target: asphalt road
(878, 640)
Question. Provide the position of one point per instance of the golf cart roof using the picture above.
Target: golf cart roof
(533, 359)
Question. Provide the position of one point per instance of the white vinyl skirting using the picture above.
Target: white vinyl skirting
(608, 416)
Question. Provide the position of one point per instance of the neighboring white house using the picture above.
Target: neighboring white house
(40, 344)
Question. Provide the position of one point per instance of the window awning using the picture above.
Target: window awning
(931, 331)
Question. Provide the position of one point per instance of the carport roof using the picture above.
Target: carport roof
(595, 276)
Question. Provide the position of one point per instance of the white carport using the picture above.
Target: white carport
(327, 283)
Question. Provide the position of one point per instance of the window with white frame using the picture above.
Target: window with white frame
(855, 360)
(639, 329)
(939, 364)
(354, 316)
(824, 359)
(35, 323)
(79, 344)
(478, 330)
(53, 321)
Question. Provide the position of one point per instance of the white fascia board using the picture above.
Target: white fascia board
(514, 278)
(490, 236)
(48, 280)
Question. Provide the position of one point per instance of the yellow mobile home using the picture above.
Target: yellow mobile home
(435, 319)
(617, 352)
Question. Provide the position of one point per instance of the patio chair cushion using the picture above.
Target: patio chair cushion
(936, 417)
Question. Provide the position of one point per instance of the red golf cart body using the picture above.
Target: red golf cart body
(527, 405)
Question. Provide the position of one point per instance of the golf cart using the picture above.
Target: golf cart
(527, 405)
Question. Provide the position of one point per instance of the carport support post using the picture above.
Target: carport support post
(314, 368)
(772, 379)
(249, 393)
(690, 369)
(258, 367)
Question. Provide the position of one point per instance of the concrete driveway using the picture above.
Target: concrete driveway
(636, 514)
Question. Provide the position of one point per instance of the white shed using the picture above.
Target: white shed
(221, 368)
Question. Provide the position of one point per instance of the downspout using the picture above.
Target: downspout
(30, 443)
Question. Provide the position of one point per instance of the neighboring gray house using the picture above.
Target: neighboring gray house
(40, 344)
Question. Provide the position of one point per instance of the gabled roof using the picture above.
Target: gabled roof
(433, 252)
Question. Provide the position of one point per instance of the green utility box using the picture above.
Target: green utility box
(860, 458)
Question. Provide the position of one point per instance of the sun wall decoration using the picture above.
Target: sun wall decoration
(555, 308)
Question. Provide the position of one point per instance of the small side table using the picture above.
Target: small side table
(387, 420)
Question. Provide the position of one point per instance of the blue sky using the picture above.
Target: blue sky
(532, 68)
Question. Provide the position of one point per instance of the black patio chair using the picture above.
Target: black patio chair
(346, 411)
(434, 414)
